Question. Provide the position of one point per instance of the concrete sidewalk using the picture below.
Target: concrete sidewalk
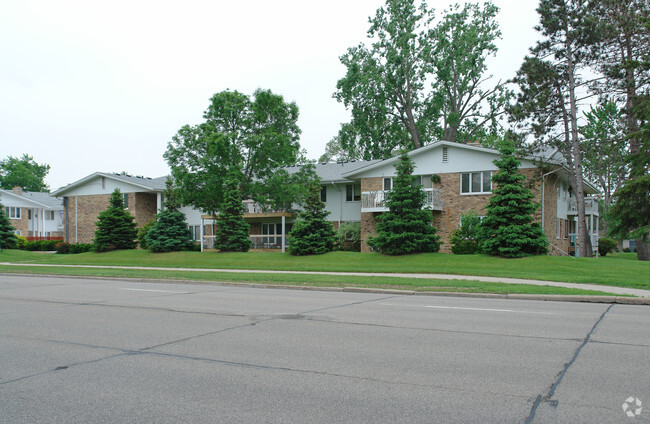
(608, 289)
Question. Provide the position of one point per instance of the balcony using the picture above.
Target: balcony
(375, 201)
(254, 210)
(591, 206)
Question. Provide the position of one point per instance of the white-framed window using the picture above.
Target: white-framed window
(476, 182)
(196, 232)
(12, 212)
(49, 215)
(18, 233)
(125, 196)
(558, 232)
(388, 183)
(353, 193)
(323, 193)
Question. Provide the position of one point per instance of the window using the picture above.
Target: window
(566, 229)
(445, 155)
(558, 231)
(49, 215)
(125, 196)
(476, 182)
(12, 212)
(196, 232)
(353, 192)
(388, 184)
(418, 180)
(323, 194)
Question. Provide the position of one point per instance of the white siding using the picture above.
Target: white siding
(95, 186)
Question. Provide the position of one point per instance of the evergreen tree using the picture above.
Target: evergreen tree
(7, 231)
(115, 227)
(312, 234)
(169, 232)
(508, 229)
(406, 227)
(232, 230)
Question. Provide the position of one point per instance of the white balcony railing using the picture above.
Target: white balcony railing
(375, 201)
(591, 206)
(251, 207)
(257, 242)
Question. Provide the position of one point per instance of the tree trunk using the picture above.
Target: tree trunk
(642, 250)
(583, 239)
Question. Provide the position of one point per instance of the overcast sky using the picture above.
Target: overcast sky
(91, 86)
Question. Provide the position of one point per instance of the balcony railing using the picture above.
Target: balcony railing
(375, 201)
(591, 206)
(257, 242)
(251, 207)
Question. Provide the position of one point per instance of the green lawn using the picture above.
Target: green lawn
(616, 270)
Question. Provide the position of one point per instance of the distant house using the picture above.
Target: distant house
(84, 199)
(34, 215)
(456, 178)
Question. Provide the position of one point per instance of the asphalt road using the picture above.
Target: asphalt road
(110, 351)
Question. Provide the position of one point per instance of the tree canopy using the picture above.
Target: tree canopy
(412, 84)
(23, 172)
(257, 134)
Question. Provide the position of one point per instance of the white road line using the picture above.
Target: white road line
(157, 291)
(471, 309)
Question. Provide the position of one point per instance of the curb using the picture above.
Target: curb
(514, 296)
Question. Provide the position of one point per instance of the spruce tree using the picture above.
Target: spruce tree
(406, 227)
(232, 230)
(115, 227)
(169, 232)
(312, 234)
(7, 231)
(508, 229)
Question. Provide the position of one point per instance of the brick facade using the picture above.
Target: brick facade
(455, 205)
(82, 213)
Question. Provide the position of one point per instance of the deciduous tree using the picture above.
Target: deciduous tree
(23, 172)
(257, 134)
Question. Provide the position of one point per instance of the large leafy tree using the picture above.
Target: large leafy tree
(115, 227)
(508, 229)
(23, 172)
(7, 231)
(457, 52)
(412, 84)
(312, 234)
(169, 232)
(257, 134)
(548, 101)
(406, 226)
(631, 208)
(604, 148)
(232, 229)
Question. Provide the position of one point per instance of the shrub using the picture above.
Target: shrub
(142, 233)
(41, 245)
(464, 240)
(626, 250)
(115, 227)
(62, 247)
(21, 240)
(605, 246)
(349, 236)
(81, 248)
(312, 234)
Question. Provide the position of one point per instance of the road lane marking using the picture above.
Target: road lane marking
(157, 291)
(472, 309)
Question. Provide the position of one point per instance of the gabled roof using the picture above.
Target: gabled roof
(35, 199)
(332, 172)
(549, 156)
(146, 184)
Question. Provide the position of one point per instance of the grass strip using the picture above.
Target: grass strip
(621, 270)
(466, 286)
